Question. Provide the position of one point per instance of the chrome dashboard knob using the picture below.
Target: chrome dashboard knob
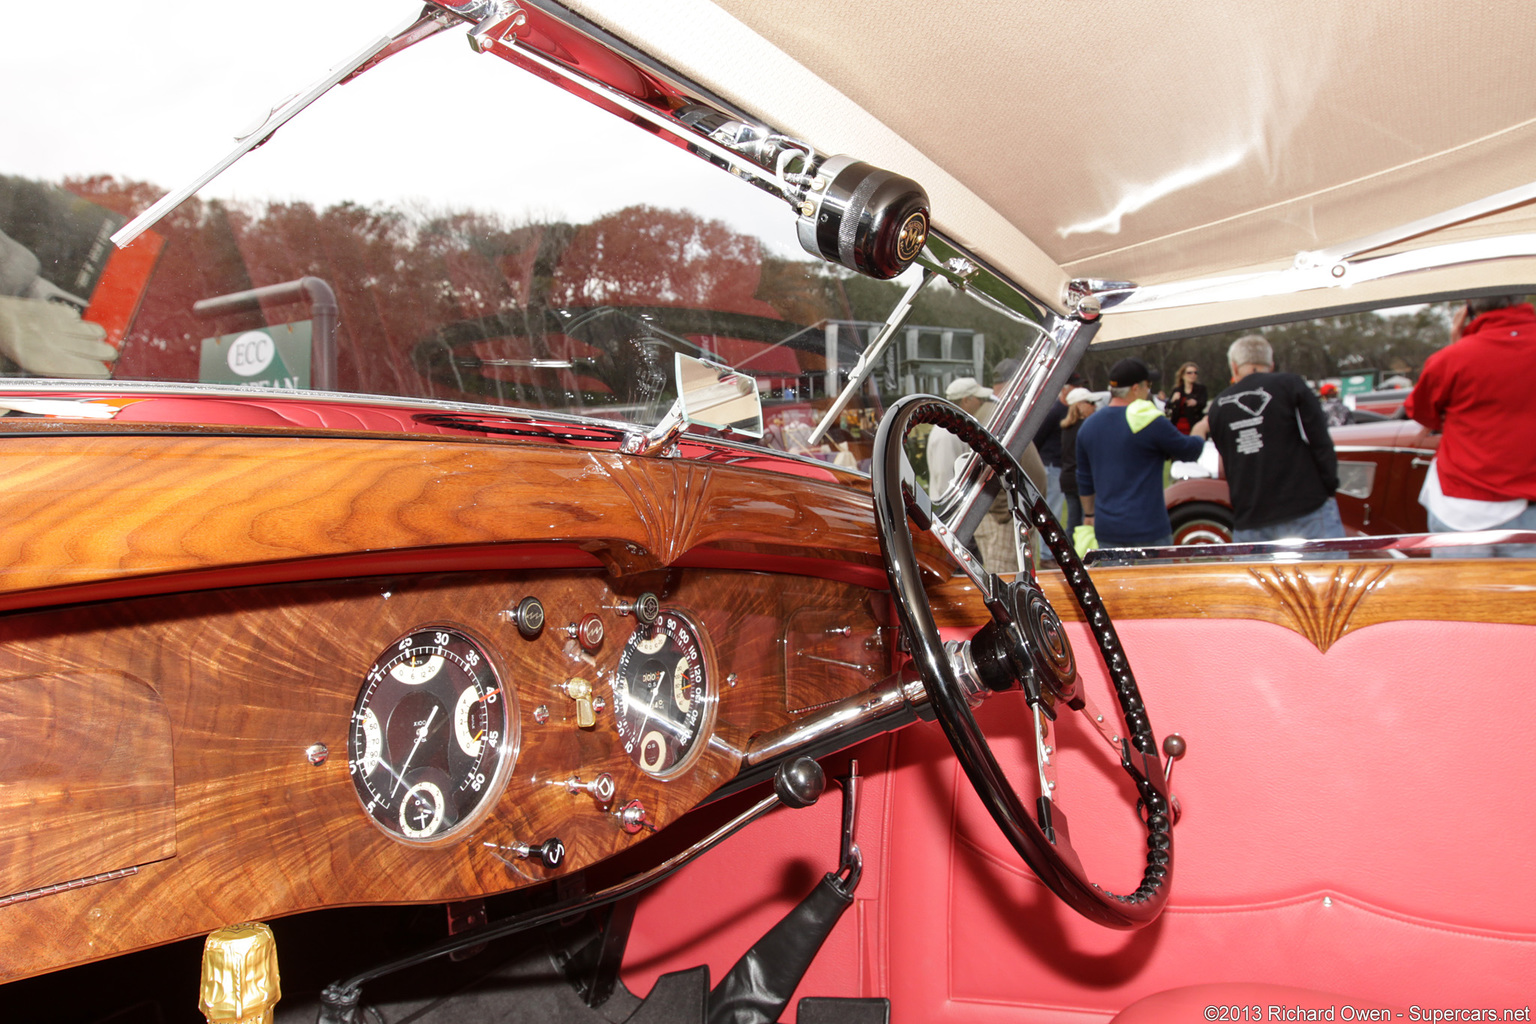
(601, 789)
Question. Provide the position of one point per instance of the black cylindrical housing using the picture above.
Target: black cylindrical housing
(866, 219)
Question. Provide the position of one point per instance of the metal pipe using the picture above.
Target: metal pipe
(323, 312)
(890, 705)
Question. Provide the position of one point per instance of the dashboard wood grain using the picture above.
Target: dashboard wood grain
(247, 679)
(1322, 601)
(88, 509)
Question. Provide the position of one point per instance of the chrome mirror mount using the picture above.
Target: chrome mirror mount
(710, 395)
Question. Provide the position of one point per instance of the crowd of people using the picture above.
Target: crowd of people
(1105, 453)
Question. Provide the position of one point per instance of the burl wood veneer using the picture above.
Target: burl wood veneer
(204, 724)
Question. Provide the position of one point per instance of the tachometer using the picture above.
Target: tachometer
(663, 697)
(430, 737)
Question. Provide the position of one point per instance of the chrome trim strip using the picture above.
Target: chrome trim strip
(1344, 546)
(1022, 408)
(75, 883)
(1357, 449)
(83, 391)
(1301, 278)
(1336, 254)
(738, 163)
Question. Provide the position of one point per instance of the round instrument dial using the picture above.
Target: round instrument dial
(429, 735)
(663, 697)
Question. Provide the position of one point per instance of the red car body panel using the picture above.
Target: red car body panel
(1381, 500)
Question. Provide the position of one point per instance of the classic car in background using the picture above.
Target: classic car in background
(1381, 469)
(470, 561)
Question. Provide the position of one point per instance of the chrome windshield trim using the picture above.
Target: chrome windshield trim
(428, 23)
(1356, 449)
(1393, 546)
(1021, 410)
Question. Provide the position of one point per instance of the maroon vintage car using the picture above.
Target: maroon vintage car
(1381, 468)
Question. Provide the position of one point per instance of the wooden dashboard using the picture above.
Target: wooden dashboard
(191, 618)
(159, 777)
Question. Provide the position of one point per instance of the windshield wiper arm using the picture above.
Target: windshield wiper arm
(866, 364)
(431, 21)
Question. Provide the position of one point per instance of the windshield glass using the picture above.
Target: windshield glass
(485, 237)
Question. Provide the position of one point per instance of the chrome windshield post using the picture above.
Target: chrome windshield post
(1021, 410)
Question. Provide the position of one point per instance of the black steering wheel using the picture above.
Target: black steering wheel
(1022, 647)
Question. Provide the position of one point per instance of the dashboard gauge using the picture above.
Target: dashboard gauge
(663, 697)
(431, 734)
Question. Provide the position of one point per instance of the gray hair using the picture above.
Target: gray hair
(1251, 349)
(1124, 392)
(1489, 303)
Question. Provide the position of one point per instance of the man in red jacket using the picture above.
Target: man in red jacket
(1476, 393)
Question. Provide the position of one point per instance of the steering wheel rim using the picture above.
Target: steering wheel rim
(1027, 642)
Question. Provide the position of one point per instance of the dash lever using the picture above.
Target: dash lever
(850, 865)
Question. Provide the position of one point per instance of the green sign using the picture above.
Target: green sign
(270, 357)
(1358, 383)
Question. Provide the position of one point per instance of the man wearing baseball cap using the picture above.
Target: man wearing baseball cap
(1120, 454)
(945, 448)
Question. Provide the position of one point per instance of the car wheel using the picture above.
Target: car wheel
(1201, 522)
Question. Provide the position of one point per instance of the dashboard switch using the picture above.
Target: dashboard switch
(580, 691)
(600, 789)
(550, 853)
(634, 817)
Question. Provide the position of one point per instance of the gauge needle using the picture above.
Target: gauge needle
(421, 734)
(650, 705)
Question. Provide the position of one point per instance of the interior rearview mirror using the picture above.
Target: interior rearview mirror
(715, 396)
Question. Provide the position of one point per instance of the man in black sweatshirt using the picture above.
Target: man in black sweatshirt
(1273, 438)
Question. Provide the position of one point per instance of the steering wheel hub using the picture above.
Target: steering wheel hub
(1045, 642)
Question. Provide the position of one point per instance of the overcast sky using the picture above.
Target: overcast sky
(157, 92)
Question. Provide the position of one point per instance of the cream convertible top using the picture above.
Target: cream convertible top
(1159, 141)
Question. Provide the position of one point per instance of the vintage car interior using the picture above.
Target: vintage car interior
(412, 610)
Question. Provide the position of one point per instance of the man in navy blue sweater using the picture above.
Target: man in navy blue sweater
(1120, 454)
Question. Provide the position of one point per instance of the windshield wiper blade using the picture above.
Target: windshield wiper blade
(431, 21)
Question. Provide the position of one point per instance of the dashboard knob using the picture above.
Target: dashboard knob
(646, 609)
(600, 789)
(799, 783)
(550, 853)
(528, 617)
(1174, 747)
(588, 632)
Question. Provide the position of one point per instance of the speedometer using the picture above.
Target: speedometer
(430, 737)
(663, 696)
